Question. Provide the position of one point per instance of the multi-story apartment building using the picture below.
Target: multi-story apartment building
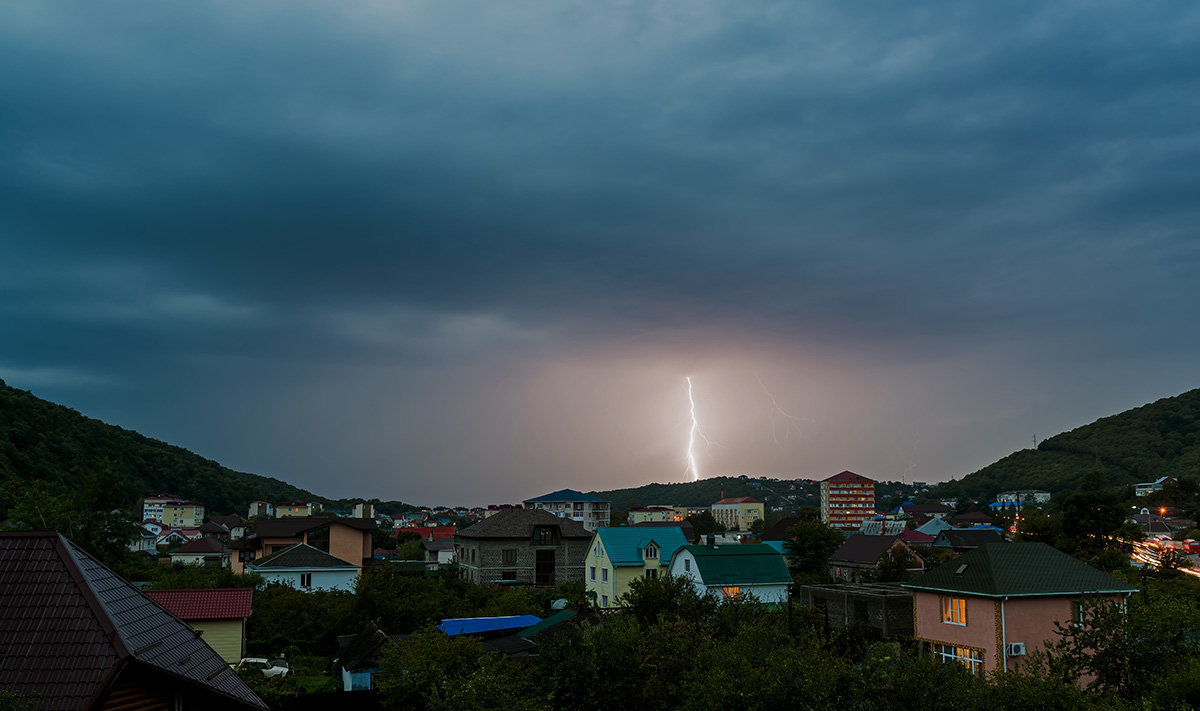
(847, 499)
(592, 512)
(183, 514)
(301, 509)
(736, 514)
(651, 513)
(152, 506)
(261, 509)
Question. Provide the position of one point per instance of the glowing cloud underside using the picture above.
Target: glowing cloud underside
(691, 448)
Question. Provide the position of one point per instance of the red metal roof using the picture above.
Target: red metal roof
(220, 604)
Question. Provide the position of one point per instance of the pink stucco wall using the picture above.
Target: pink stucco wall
(1028, 620)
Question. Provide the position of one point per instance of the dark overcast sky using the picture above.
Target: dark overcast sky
(467, 252)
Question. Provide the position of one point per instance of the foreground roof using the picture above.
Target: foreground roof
(519, 523)
(624, 545)
(565, 495)
(1017, 570)
(734, 564)
(69, 626)
(208, 604)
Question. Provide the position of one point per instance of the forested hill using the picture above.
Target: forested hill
(52, 445)
(1142, 444)
(698, 493)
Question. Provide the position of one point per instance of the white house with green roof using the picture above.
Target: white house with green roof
(306, 568)
(734, 570)
(618, 556)
(991, 607)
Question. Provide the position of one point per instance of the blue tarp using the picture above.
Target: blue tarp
(475, 625)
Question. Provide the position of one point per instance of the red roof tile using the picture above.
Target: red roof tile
(220, 604)
(848, 476)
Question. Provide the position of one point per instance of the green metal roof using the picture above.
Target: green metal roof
(624, 545)
(740, 564)
(555, 619)
(1017, 570)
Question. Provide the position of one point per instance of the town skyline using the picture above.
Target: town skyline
(471, 252)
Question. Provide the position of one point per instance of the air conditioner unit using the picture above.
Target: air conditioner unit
(1016, 649)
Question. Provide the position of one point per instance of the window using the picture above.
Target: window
(651, 551)
(306, 580)
(604, 575)
(604, 601)
(245, 556)
(592, 573)
(731, 592)
(1076, 612)
(543, 536)
(508, 556)
(687, 565)
(319, 538)
(651, 573)
(508, 575)
(954, 610)
(970, 658)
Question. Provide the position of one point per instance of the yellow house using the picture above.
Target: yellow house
(218, 615)
(618, 556)
(183, 514)
(738, 513)
(651, 513)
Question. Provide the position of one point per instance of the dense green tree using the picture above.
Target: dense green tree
(809, 544)
(666, 596)
(703, 524)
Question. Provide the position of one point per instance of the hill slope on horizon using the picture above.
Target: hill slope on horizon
(43, 442)
(1142, 444)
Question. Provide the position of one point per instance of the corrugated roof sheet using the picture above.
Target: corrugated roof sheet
(67, 624)
(208, 604)
(1017, 569)
(565, 495)
(624, 545)
(475, 625)
(749, 564)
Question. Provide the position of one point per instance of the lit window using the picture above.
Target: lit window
(970, 658)
(954, 610)
(731, 592)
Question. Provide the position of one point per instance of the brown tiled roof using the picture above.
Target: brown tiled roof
(212, 527)
(69, 625)
(293, 526)
(519, 523)
(202, 546)
(208, 604)
(863, 549)
(848, 476)
(230, 522)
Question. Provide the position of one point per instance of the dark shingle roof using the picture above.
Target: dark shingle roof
(960, 539)
(68, 625)
(1017, 569)
(863, 549)
(300, 555)
(749, 564)
(519, 523)
(202, 546)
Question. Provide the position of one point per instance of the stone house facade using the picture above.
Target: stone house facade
(529, 547)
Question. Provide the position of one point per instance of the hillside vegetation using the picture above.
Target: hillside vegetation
(695, 493)
(1142, 444)
(54, 446)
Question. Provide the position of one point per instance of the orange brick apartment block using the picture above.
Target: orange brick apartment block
(847, 499)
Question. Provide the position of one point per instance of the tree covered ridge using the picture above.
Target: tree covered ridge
(54, 446)
(1142, 444)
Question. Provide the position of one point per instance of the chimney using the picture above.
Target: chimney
(710, 540)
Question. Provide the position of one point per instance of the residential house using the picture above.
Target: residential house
(738, 513)
(297, 509)
(618, 556)
(77, 637)
(364, 509)
(1149, 487)
(996, 604)
(1152, 524)
(882, 527)
(346, 538)
(438, 553)
(886, 608)
(846, 500)
(858, 558)
(202, 551)
(183, 514)
(145, 540)
(306, 568)
(916, 538)
(522, 546)
(923, 512)
(589, 510)
(971, 518)
(963, 540)
(734, 571)
(234, 525)
(261, 509)
(1023, 496)
(219, 615)
(176, 538)
(212, 529)
(934, 526)
(358, 658)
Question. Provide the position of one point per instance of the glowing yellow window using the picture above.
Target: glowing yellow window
(954, 610)
(731, 592)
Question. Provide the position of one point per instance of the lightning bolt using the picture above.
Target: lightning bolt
(696, 432)
(790, 421)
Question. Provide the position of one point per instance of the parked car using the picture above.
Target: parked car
(269, 667)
